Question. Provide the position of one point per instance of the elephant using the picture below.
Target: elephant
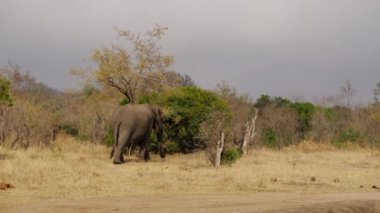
(132, 125)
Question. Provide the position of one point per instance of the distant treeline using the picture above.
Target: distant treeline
(34, 114)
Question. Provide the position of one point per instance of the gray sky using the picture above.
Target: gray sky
(292, 48)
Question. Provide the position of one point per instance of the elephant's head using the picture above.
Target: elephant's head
(158, 126)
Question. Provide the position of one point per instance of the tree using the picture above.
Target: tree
(265, 100)
(376, 92)
(161, 81)
(132, 70)
(243, 115)
(250, 132)
(5, 97)
(212, 132)
(347, 91)
(262, 101)
(283, 122)
(278, 126)
(305, 113)
(24, 84)
(187, 81)
(5, 102)
(36, 113)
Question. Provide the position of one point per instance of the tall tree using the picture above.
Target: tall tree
(347, 91)
(131, 70)
(376, 92)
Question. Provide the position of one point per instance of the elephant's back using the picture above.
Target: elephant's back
(131, 114)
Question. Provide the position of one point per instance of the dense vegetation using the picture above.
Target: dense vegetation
(33, 114)
(186, 109)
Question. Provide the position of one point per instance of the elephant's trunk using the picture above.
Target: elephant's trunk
(162, 150)
(161, 145)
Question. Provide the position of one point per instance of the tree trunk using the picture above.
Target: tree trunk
(219, 150)
(250, 132)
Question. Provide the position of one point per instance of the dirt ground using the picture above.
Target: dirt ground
(257, 202)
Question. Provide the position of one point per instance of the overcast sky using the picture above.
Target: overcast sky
(301, 49)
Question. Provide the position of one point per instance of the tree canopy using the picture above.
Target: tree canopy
(136, 69)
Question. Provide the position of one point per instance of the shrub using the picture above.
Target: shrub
(231, 155)
(266, 100)
(269, 138)
(282, 122)
(349, 135)
(172, 147)
(278, 126)
(185, 108)
(109, 137)
(5, 97)
(69, 129)
(305, 113)
(123, 102)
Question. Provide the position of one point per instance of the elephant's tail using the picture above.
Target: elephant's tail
(116, 133)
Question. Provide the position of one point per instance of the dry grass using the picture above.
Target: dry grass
(72, 170)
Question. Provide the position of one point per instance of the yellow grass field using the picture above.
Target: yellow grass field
(76, 170)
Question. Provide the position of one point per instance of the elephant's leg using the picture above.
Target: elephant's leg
(118, 157)
(144, 148)
(146, 154)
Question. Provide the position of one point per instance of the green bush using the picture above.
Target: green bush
(231, 155)
(172, 147)
(283, 122)
(69, 129)
(350, 135)
(79, 133)
(153, 142)
(123, 102)
(5, 97)
(185, 109)
(329, 114)
(109, 137)
(266, 100)
(270, 138)
(305, 113)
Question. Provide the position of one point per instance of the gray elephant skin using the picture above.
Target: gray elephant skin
(132, 125)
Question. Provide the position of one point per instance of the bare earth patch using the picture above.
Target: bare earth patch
(5, 186)
(259, 202)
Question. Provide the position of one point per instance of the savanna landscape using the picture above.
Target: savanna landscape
(225, 152)
(72, 176)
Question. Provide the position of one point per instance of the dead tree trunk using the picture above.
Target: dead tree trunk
(219, 150)
(250, 132)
